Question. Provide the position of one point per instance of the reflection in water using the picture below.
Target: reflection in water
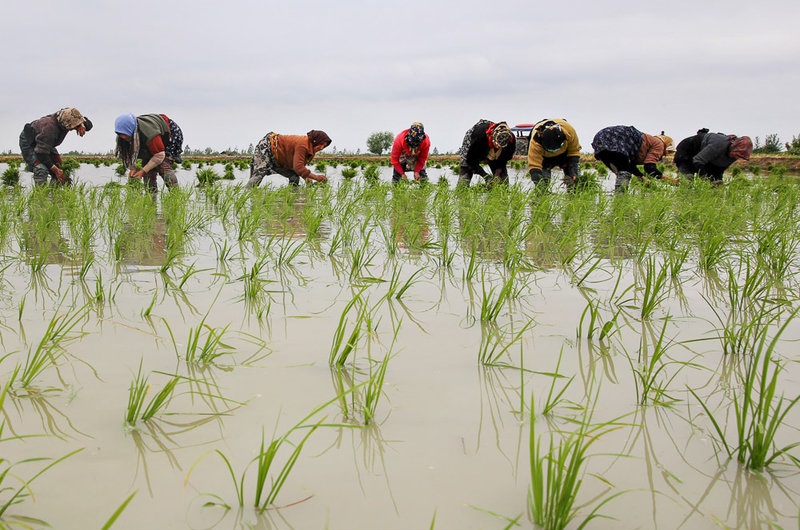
(205, 514)
(598, 359)
(159, 436)
(144, 245)
(53, 421)
(500, 396)
(408, 220)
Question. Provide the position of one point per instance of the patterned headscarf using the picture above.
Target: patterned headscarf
(415, 134)
(666, 139)
(501, 135)
(319, 138)
(550, 136)
(69, 118)
(741, 147)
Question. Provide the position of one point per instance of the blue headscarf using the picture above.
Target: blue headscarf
(125, 124)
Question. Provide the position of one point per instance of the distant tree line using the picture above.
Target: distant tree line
(772, 145)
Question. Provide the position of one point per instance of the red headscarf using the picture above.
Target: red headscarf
(741, 147)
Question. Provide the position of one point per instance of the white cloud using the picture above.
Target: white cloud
(229, 73)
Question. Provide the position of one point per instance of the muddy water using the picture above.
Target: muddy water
(450, 439)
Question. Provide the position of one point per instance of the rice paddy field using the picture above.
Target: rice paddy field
(362, 355)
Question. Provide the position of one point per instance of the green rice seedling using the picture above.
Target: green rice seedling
(494, 345)
(778, 172)
(253, 282)
(266, 489)
(341, 349)
(264, 461)
(137, 392)
(675, 261)
(491, 303)
(656, 288)
(69, 165)
(555, 397)
(759, 410)
(556, 474)
(649, 369)
(395, 289)
(59, 331)
(121, 508)
(471, 268)
(206, 352)
(248, 225)
(371, 173)
(374, 386)
(750, 304)
(349, 172)
(148, 311)
(288, 250)
(592, 312)
(10, 176)
(206, 176)
(173, 254)
(19, 494)
(223, 250)
(361, 258)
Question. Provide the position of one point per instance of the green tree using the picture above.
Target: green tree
(793, 147)
(772, 144)
(378, 142)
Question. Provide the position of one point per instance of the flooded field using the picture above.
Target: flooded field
(358, 355)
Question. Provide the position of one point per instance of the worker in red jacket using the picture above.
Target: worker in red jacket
(410, 153)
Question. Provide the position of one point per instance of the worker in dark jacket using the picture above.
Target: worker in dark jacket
(156, 140)
(39, 139)
(554, 143)
(486, 143)
(623, 147)
(710, 154)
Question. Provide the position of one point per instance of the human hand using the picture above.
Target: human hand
(136, 173)
(58, 173)
(417, 176)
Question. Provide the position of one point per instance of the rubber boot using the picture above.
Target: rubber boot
(622, 182)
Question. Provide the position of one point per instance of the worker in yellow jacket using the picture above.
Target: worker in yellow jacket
(554, 143)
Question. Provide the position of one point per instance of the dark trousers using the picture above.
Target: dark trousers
(617, 162)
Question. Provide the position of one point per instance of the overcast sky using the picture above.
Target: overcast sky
(229, 72)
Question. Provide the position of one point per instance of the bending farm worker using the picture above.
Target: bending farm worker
(622, 148)
(156, 140)
(410, 153)
(554, 143)
(710, 154)
(39, 139)
(488, 143)
(287, 155)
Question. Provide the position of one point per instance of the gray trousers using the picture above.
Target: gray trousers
(40, 173)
